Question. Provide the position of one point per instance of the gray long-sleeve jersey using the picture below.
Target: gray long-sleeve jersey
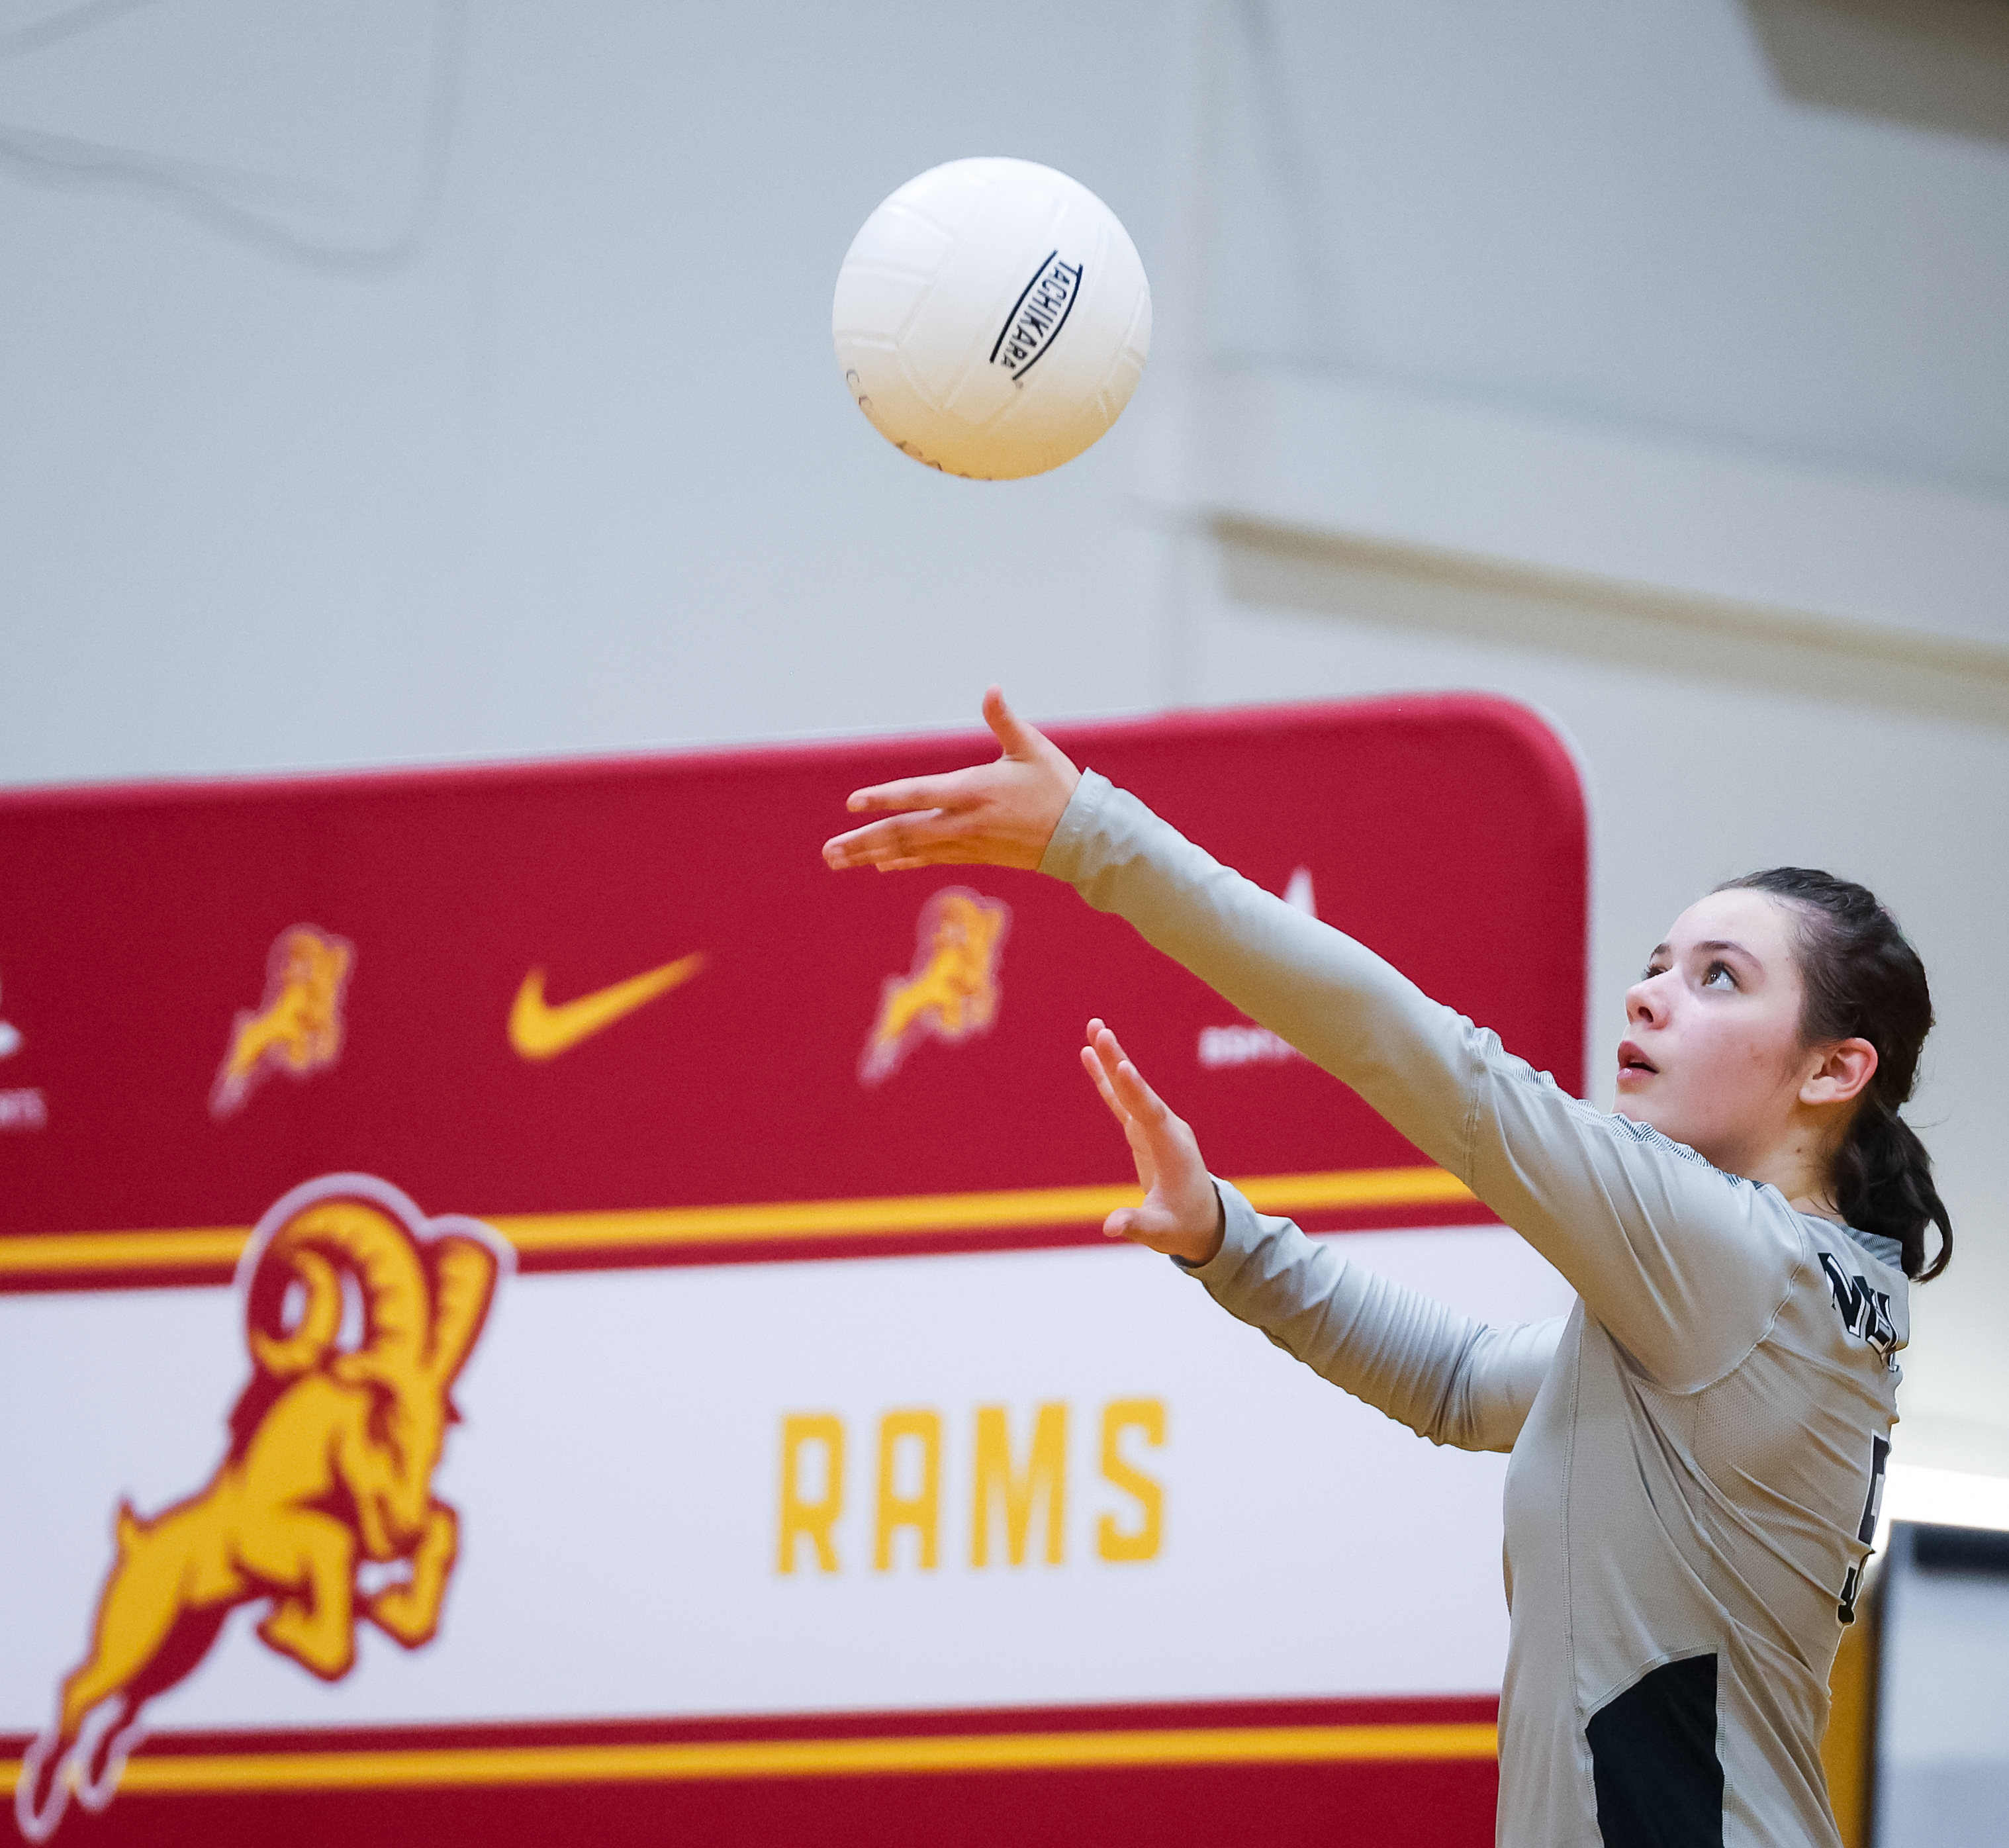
(1697, 1447)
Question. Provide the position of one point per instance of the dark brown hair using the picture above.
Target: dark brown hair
(1864, 981)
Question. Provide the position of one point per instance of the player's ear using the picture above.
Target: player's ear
(1843, 1073)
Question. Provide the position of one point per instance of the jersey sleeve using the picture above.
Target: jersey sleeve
(1453, 1381)
(1685, 1265)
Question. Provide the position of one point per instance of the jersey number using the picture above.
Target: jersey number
(1873, 1506)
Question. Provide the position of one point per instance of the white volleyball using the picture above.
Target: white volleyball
(992, 318)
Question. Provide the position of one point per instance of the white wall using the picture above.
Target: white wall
(387, 382)
(1694, 778)
(581, 471)
(1943, 1703)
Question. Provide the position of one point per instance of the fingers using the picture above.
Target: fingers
(1181, 1214)
(1141, 1225)
(1101, 1064)
(932, 837)
(877, 843)
(1142, 1102)
(1108, 1049)
(1137, 1098)
(946, 791)
(1002, 813)
(1092, 1063)
(1141, 1154)
(1127, 1222)
(1092, 1066)
(1152, 1225)
(1014, 737)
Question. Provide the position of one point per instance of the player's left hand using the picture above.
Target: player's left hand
(1002, 813)
(1181, 1214)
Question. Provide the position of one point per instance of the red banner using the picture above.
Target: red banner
(363, 1046)
(444, 922)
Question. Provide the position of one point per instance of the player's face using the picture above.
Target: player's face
(1712, 1054)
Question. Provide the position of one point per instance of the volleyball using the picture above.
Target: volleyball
(992, 318)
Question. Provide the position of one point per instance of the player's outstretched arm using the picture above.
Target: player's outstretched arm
(1181, 1214)
(998, 814)
(1453, 1380)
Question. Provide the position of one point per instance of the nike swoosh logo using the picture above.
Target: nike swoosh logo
(537, 1030)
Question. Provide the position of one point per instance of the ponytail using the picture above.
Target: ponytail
(1883, 1183)
(1864, 981)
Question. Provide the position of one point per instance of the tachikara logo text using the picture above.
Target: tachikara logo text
(1037, 316)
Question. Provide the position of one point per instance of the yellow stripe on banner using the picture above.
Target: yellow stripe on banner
(900, 1215)
(81, 1254)
(220, 1772)
(64, 1253)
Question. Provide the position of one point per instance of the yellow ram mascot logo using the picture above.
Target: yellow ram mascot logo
(952, 992)
(297, 1028)
(359, 1313)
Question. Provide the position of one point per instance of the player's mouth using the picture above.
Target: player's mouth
(1634, 1067)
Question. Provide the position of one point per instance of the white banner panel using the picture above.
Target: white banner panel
(619, 1477)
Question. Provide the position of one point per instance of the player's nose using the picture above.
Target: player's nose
(1644, 1006)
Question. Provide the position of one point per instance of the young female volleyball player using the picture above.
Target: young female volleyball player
(1698, 1448)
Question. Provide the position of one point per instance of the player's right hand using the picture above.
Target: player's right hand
(1181, 1214)
(998, 814)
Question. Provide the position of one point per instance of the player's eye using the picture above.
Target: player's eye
(1653, 969)
(1718, 975)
